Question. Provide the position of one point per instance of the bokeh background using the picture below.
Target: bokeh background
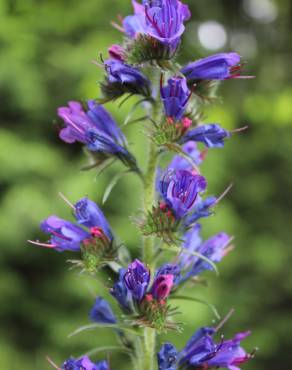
(46, 52)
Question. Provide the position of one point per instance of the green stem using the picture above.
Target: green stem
(149, 249)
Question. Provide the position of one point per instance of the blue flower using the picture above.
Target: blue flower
(214, 249)
(94, 128)
(66, 235)
(101, 312)
(88, 214)
(126, 77)
(202, 351)
(180, 189)
(137, 279)
(181, 163)
(175, 96)
(167, 357)
(162, 20)
(203, 208)
(84, 363)
(215, 67)
(211, 135)
(122, 294)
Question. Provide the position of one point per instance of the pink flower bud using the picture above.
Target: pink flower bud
(162, 286)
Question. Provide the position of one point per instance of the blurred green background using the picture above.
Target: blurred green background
(46, 52)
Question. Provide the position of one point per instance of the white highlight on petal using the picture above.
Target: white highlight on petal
(212, 35)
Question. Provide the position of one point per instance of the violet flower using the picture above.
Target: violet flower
(167, 357)
(101, 312)
(175, 96)
(137, 279)
(125, 78)
(215, 67)
(67, 236)
(214, 249)
(96, 129)
(122, 294)
(162, 20)
(202, 351)
(180, 189)
(212, 135)
(84, 363)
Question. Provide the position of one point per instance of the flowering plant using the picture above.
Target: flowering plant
(174, 198)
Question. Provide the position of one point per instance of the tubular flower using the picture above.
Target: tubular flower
(101, 312)
(220, 66)
(66, 235)
(84, 363)
(162, 20)
(212, 135)
(202, 351)
(180, 189)
(137, 279)
(94, 128)
(214, 249)
(167, 357)
(123, 78)
(117, 52)
(122, 294)
(175, 96)
(181, 163)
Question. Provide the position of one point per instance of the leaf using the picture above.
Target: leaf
(196, 254)
(134, 108)
(112, 184)
(107, 349)
(211, 306)
(101, 326)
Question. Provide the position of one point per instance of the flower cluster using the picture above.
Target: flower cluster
(175, 197)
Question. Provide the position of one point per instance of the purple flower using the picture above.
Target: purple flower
(180, 189)
(181, 163)
(162, 285)
(65, 236)
(101, 312)
(94, 128)
(137, 279)
(215, 67)
(161, 19)
(211, 135)
(202, 351)
(167, 357)
(202, 209)
(126, 77)
(84, 363)
(122, 294)
(87, 213)
(214, 249)
(175, 96)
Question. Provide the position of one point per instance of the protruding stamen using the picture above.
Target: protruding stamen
(244, 128)
(225, 192)
(51, 362)
(226, 318)
(42, 244)
(66, 200)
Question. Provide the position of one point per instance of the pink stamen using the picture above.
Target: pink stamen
(226, 318)
(225, 192)
(42, 244)
(244, 128)
(118, 27)
(66, 200)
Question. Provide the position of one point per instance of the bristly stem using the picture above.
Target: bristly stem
(148, 243)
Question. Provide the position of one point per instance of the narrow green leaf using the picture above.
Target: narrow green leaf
(196, 254)
(198, 300)
(125, 328)
(112, 184)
